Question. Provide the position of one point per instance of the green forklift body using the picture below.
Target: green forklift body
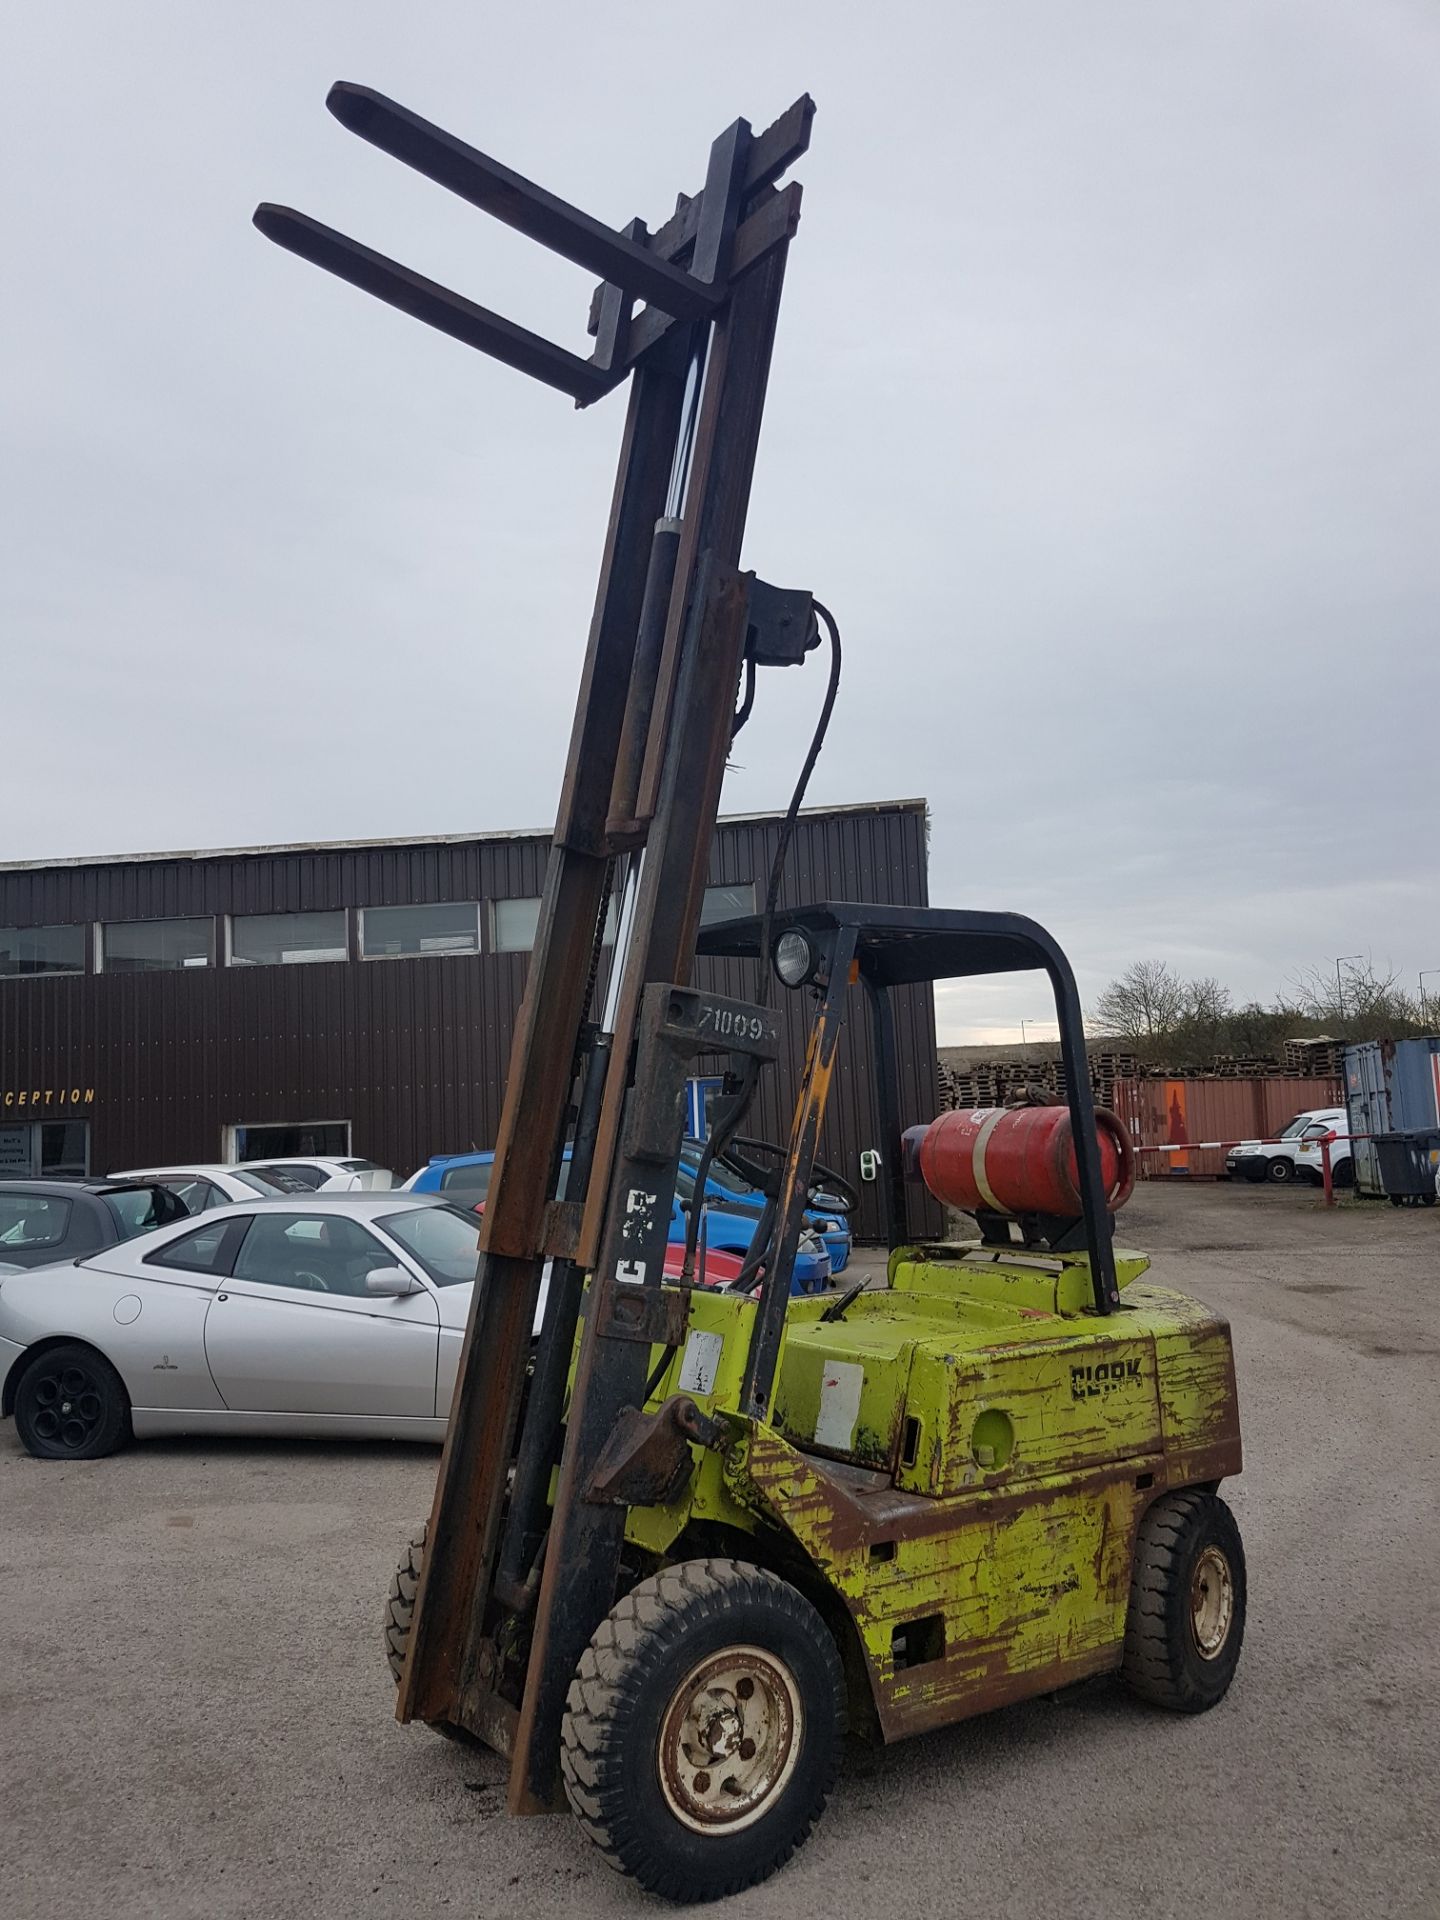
(955, 1467)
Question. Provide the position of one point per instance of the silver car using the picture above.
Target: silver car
(301, 1316)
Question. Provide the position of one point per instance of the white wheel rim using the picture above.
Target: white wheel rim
(1212, 1603)
(730, 1740)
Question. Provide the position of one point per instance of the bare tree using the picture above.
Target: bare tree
(1203, 1027)
(1177, 1022)
(1146, 1003)
(1358, 1002)
(1259, 1033)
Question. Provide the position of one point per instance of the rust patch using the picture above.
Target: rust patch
(983, 1686)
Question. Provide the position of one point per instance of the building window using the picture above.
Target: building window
(388, 933)
(28, 950)
(727, 903)
(285, 1140)
(155, 946)
(514, 924)
(287, 939)
(54, 1149)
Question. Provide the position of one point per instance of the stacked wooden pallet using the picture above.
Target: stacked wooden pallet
(1315, 1056)
(1004, 1082)
(1105, 1069)
(999, 1083)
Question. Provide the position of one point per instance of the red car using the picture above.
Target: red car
(720, 1268)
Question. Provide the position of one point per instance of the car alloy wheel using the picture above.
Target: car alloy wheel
(69, 1407)
(71, 1404)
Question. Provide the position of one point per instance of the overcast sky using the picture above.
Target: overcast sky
(1104, 415)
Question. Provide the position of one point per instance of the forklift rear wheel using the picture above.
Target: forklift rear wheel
(1187, 1603)
(702, 1729)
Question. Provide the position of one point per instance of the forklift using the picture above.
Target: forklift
(687, 1536)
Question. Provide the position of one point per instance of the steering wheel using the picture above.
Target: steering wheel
(311, 1282)
(823, 1180)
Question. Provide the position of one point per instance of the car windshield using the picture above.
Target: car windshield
(1296, 1126)
(719, 1176)
(444, 1240)
(258, 1181)
(288, 1179)
(138, 1209)
(470, 1182)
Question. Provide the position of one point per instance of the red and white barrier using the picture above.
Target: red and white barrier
(1224, 1146)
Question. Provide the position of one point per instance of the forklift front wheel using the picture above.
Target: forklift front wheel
(1187, 1603)
(400, 1602)
(702, 1729)
(400, 1611)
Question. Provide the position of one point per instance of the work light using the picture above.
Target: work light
(795, 959)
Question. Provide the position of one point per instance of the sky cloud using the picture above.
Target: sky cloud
(1104, 416)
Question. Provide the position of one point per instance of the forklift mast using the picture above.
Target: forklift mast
(513, 1585)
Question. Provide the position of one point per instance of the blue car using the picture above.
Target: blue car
(726, 1188)
(729, 1227)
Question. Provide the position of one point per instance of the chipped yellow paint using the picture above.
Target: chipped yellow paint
(1052, 1283)
(977, 1519)
(727, 1318)
(1056, 1405)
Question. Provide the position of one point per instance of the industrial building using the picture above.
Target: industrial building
(359, 997)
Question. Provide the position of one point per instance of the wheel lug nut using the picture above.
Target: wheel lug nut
(744, 1689)
(747, 1749)
(702, 1783)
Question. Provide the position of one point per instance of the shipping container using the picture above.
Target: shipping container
(1163, 1112)
(1390, 1087)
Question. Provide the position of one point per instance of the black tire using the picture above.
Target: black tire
(1279, 1170)
(1186, 1621)
(639, 1687)
(400, 1602)
(71, 1404)
(399, 1612)
(1342, 1173)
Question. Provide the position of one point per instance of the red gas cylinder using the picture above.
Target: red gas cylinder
(1020, 1160)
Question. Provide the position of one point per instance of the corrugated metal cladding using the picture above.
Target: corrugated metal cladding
(412, 1052)
(1390, 1085)
(1163, 1112)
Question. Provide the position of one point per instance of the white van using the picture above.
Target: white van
(1295, 1155)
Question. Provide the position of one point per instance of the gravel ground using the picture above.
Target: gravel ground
(194, 1711)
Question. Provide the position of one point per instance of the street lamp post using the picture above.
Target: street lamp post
(1424, 1016)
(1024, 1038)
(1339, 983)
